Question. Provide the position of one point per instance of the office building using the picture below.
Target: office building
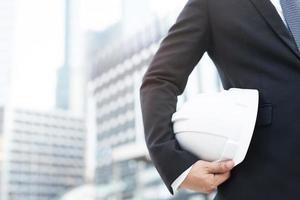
(43, 154)
(63, 73)
(71, 76)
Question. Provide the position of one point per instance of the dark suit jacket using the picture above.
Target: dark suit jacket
(252, 48)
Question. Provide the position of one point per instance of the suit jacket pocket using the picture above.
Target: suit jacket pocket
(264, 115)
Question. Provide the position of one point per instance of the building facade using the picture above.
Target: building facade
(43, 154)
(71, 76)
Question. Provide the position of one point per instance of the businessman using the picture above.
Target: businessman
(254, 44)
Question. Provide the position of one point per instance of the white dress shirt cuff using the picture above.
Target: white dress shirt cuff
(175, 185)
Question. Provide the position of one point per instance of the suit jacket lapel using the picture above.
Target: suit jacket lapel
(269, 13)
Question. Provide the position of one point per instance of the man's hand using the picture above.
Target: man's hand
(206, 176)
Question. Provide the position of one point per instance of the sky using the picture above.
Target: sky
(38, 52)
(39, 43)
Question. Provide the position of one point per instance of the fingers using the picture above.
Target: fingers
(207, 176)
(220, 178)
(215, 181)
(220, 167)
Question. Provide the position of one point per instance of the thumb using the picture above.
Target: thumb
(220, 167)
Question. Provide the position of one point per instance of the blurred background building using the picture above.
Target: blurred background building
(63, 73)
(44, 154)
(89, 143)
(71, 76)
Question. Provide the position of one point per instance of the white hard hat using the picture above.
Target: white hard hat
(217, 125)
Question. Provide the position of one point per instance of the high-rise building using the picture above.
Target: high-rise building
(63, 88)
(43, 154)
(114, 89)
(63, 73)
(71, 76)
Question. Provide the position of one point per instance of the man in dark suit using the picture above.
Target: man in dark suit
(254, 44)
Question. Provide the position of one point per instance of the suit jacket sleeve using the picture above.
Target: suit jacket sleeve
(164, 80)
